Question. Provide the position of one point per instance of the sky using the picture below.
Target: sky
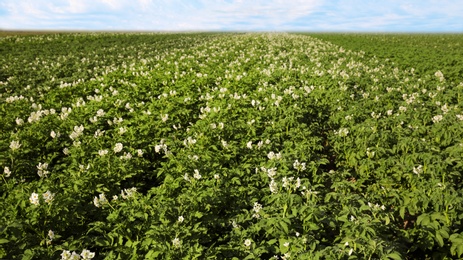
(234, 15)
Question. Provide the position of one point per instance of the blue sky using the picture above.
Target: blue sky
(226, 15)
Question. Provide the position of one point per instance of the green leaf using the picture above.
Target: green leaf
(443, 233)
(28, 254)
(460, 250)
(152, 254)
(439, 239)
(394, 255)
(284, 226)
(387, 220)
(402, 212)
(423, 219)
(4, 241)
(271, 241)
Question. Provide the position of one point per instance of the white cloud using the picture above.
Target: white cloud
(337, 15)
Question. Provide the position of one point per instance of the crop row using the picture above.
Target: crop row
(221, 146)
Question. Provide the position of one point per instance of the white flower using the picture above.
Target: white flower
(271, 172)
(48, 197)
(274, 156)
(437, 119)
(65, 255)
(374, 115)
(418, 170)
(35, 116)
(342, 132)
(249, 145)
(103, 152)
(129, 193)
(271, 155)
(196, 175)
(118, 147)
(299, 166)
(445, 108)
(234, 224)
(370, 154)
(74, 256)
(98, 133)
(257, 207)
(51, 234)
(100, 113)
(96, 202)
(126, 156)
(164, 117)
(177, 243)
(351, 251)
(19, 121)
(122, 130)
(78, 130)
(247, 242)
(93, 119)
(7, 172)
(286, 181)
(273, 186)
(100, 200)
(440, 75)
(42, 170)
(180, 219)
(216, 176)
(66, 151)
(189, 141)
(86, 254)
(14, 145)
(34, 199)
(139, 153)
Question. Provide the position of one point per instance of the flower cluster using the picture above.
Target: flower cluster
(15, 145)
(42, 170)
(343, 132)
(299, 166)
(6, 172)
(78, 130)
(48, 198)
(256, 209)
(85, 255)
(100, 201)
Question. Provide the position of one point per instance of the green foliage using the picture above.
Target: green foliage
(224, 146)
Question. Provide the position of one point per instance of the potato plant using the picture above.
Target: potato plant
(224, 146)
